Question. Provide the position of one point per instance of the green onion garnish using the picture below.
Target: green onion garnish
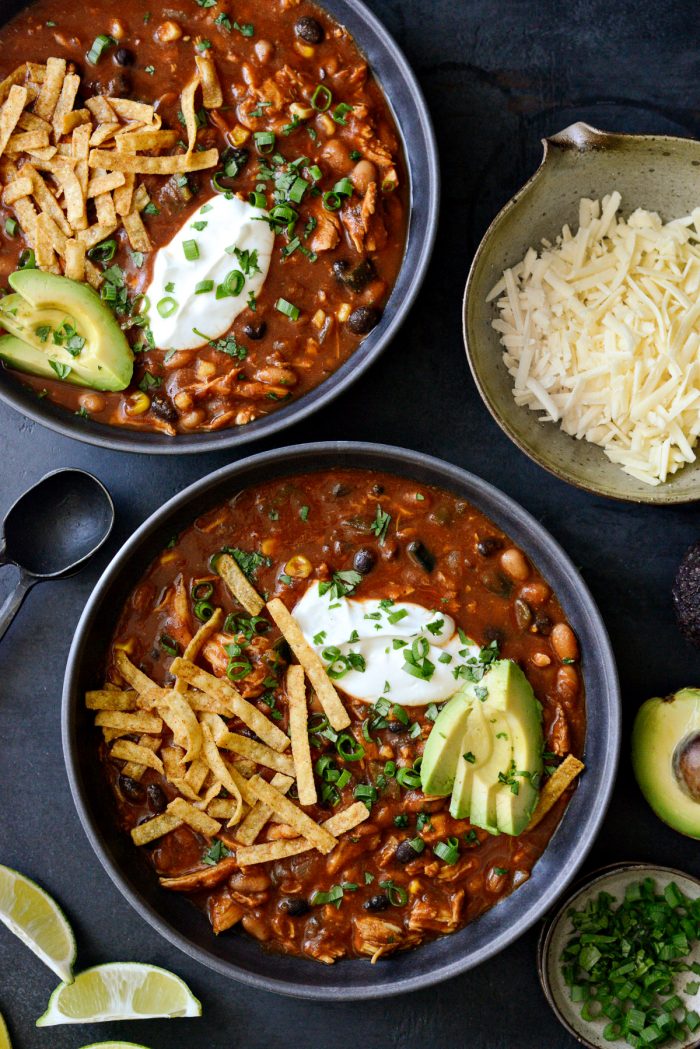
(344, 188)
(331, 201)
(396, 893)
(191, 250)
(10, 227)
(99, 46)
(27, 259)
(165, 306)
(316, 173)
(321, 98)
(447, 850)
(340, 111)
(408, 778)
(203, 286)
(264, 141)
(288, 309)
(348, 747)
(257, 199)
(297, 190)
(203, 610)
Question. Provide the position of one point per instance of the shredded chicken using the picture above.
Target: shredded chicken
(378, 936)
(224, 911)
(202, 878)
(443, 916)
(364, 223)
(327, 232)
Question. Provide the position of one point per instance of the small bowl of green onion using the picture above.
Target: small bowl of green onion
(619, 961)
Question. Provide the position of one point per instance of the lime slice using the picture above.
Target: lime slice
(31, 914)
(114, 1045)
(4, 1035)
(120, 991)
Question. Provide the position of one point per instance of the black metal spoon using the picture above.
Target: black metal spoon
(52, 530)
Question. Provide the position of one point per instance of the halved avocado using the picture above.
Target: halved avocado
(444, 745)
(36, 317)
(487, 783)
(476, 751)
(666, 758)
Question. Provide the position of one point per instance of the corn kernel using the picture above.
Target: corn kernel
(167, 557)
(183, 400)
(126, 646)
(268, 546)
(298, 567)
(239, 135)
(205, 369)
(318, 319)
(138, 403)
(414, 886)
(344, 312)
(302, 112)
(304, 49)
(326, 123)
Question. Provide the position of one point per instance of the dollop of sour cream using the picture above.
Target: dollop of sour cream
(383, 634)
(220, 237)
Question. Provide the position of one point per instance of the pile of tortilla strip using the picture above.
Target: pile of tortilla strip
(217, 772)
(71, 175)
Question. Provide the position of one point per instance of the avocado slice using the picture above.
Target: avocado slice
(666, 758)
(511, 692)
(476, 750)
(486, 782)
(54, 318)
(444, 745)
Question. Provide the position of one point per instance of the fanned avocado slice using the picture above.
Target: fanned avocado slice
(52, 318)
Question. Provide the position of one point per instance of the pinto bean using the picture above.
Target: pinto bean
(241, 881)
(92, 402)
(277, 375)
(564, 642)
(514, 564)
(264, 50)
(535, 593)
(255, 925)
(167, 32)
(567, 684)
(362, 174)
(193, 419)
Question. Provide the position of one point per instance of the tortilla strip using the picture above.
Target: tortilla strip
(138, 722)
(104, 210)
(27, 216)
(104, 183)
(21, 188)
(136, 231)
(173, 764)
(70, 183)
(261, 813)
(46, 200)
(93, 276)
(80, 150)
(141, 198)
(170, 165)
(203, 704)
(110, 699)
(132, 768)
(227, 695)
(26, 140)
(123, 197)
(74, 263)
(131, 674)
(212, 96)
(30, 122)
(16, 77)
(188, 112)
(47, 153)
(257, 752)
(65, 103)
(220, 771)
(289, 813)
(103, 132)
(146, 138)
(560, 781)
(102, 111)
(128, 110)
(10, 114)
(74, 119)
(298, 731)
(45, 104)
(197, 643)
(128, 751)
(94, 234)
(194, 818)
(45, 248)
(236, 581)
(225, 809)
(155, 828)
(315, 671)
(182, 721)
(340, 823)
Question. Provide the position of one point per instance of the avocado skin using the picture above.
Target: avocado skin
(660, 725)
(106, 362)
(686, 594)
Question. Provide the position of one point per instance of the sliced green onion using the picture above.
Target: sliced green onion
(408, 778)
(238, 669)
(27, 259)
(344, 188)
(365, 792)
(331, 201)
(191, 250)
(340, 111)
(396, 893)
(348, 747)
(169, 645)
(288, 309)
(232, 284)
(11, 227)
(316, 173)
(201, 590)
(165, 306)
(203, 287)
(321, 98)
(257, 199)
(417, 844)
(99, 46)
(264, 141)
(447, 850)
(203, 610)
(297, 190)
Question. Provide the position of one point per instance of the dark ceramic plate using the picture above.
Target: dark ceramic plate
(235, 954)
(407, 104)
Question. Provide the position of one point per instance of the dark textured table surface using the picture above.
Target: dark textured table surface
(498, 74)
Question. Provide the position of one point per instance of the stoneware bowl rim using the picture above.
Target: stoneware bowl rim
(582, 137)
(406, 100)
(240, 957)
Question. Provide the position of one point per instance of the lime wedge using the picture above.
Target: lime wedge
(38, 921)
(4, 1035)
(114, 1045)
(120, 991)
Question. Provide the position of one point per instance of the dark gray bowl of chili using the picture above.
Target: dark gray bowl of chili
(316, 358)
(235, 954)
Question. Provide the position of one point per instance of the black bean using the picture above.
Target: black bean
(405, 852)
(124, 57)
(488, 546)
(131, 788)
(380, 902)
(496, 583)
(543, 624)
(309, 29)
(339, 490)
(396, 726)
(523, 613)
(377, 489)
(363, 319)
(364, 560)
(340, 269)
(420, 555)
(357, 278)
(164, 409)
(255, 331)
(295, 906)
(494, 633)
(156, 797)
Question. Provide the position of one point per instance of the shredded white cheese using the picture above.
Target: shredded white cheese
(601, 333)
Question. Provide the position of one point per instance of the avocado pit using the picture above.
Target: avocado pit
(686, 765)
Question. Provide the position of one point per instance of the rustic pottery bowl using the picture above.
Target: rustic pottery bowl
(239, 956)
(405, 99)
(651, 171)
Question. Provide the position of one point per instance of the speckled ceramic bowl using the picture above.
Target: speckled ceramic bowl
(558, 929)
(654, 172)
